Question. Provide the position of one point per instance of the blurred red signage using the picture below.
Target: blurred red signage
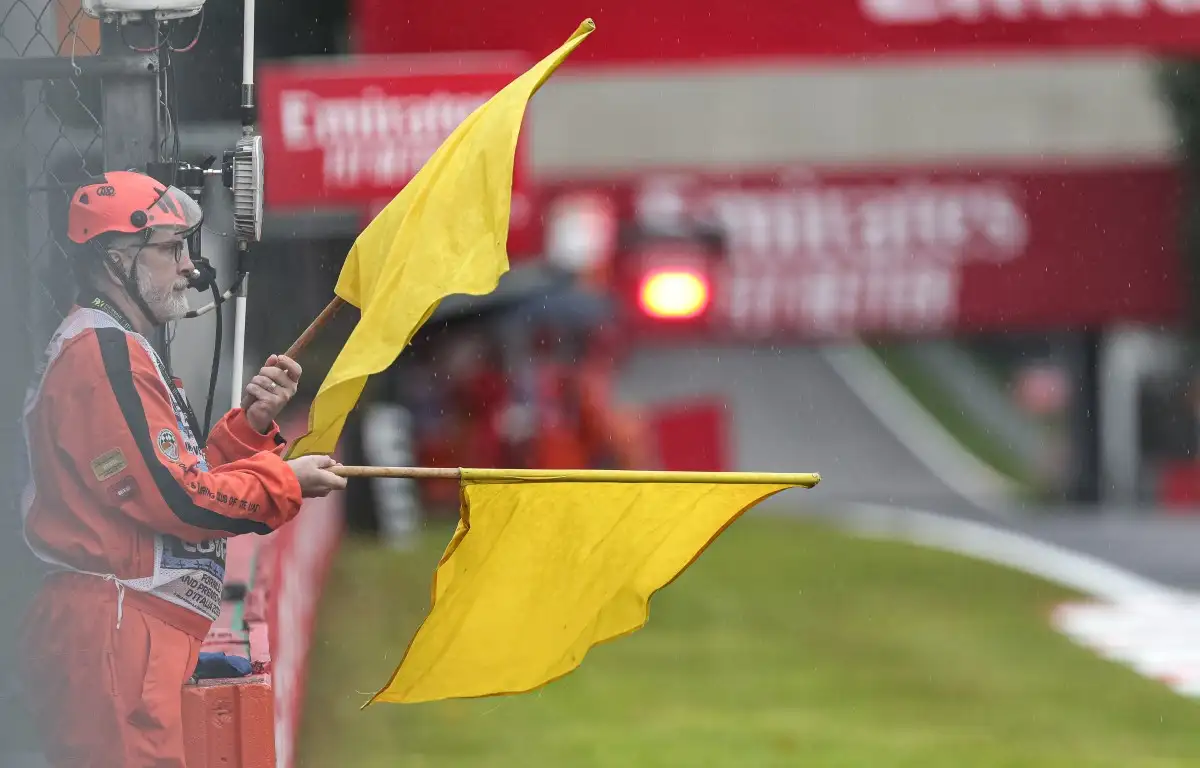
(351, 133)
(700, 30)
(920, 251)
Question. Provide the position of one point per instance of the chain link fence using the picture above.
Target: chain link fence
(51, 138)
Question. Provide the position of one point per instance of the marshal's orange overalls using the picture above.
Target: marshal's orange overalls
(132, 515)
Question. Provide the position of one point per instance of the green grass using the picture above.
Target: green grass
(786, 644)
(945, 409)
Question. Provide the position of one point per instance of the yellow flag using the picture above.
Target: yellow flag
(539, 572)
(445, 233)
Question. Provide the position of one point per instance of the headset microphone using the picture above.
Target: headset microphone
(203, 276)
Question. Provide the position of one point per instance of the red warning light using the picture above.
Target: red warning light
(676, 294)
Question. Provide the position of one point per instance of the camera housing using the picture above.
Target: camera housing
(137, 10)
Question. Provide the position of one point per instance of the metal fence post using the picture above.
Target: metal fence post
(130, 108)
(18, 576)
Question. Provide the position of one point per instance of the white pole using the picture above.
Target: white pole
(239, 342)
(248, 46)
(239, 321)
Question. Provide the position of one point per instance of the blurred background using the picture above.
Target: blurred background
(943, 252)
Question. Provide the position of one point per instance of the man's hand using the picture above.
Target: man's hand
(315, 478)
(269, 392)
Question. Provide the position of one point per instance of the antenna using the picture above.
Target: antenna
(243, 174)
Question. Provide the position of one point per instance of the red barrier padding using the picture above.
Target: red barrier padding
(253, 722)
(229, 724)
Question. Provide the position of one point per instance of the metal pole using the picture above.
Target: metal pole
(81, 68)
(1084, 356)
(19, 572)
(129, 108)
(239, 317)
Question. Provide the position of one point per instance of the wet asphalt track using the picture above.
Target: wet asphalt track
(792, 412)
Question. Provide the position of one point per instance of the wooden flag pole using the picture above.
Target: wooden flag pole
(311, 331)
(805, 479)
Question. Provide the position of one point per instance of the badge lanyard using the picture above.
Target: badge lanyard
(95, 302)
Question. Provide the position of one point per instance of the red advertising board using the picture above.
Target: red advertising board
(918, 251)
(350, 133)
(703, 30)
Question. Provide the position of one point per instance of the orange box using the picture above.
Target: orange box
(229, 723)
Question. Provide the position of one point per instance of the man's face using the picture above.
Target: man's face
(163, 266)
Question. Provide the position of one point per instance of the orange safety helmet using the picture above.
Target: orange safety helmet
(129, 202)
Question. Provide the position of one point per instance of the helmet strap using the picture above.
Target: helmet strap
(129, 283)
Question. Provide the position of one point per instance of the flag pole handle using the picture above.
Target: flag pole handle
(805, 479)
(416, 473)
(311, 331)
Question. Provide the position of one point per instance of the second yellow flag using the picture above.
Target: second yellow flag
(538, 573)
(445, 233)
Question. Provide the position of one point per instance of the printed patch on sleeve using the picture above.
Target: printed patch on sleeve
(168, 444)
(108, 464)
(124, 490)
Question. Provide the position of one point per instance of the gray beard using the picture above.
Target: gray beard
(167, 304)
